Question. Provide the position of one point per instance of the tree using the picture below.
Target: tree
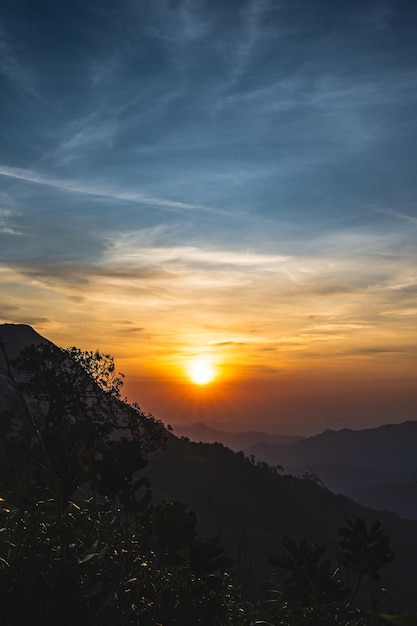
(69, 415)
(315, 592)
(80, 541)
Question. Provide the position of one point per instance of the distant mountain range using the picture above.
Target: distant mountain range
(386, 448)
(234, 440)
(376, 467)
(251, 506)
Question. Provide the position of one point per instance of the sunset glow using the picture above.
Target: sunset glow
(201, 371)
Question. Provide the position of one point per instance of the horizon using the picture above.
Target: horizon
(273, 427)
(232, 183)
(14, 342)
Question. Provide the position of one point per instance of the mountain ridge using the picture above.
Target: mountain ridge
(237, 440)
(389, 444)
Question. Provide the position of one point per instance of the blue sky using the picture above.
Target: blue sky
(197, 174)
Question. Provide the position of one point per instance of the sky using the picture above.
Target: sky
(228, 180)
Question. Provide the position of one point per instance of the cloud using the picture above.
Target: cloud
(410, 219)
(7, 226)
(77, 299)
(21, 315)
(222, 344)
(91, 133)
(60, 276)
(375, 350)
(252, 13)
(132, 329)
(343, 270)
(333, 264)
(130, 248)
(378, 14)
(192, 25)
(6, 310)
(181, 24)
(13, 69)
(76, 187)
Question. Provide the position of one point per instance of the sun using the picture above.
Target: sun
(201, 371)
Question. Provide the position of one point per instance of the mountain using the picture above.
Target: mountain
(401, 497)
(387, 448)
(375, 467)
(201, 432)
(358, 463)
(14, 337)
(252, 507)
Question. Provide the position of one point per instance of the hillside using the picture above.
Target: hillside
(381, 473)
(251, 508)
(359, 463)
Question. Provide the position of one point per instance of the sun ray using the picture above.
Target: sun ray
(201, 371)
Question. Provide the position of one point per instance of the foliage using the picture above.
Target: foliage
(87, 567)
(69, 416)
(400, 620)
(315, 592)
(364, 551)
(69, 385)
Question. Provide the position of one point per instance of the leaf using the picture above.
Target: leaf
(375, 528)
(88, 557)
(95, 590)
(400, 620)
(103, 605)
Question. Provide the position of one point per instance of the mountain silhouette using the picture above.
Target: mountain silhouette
(364, 464)
(237, 441)
(388, 447)
(14, 337)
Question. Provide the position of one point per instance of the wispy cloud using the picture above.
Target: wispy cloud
(85, 135)
(411, 219)
(7, 225)
(13, 69)
(252, 13)
(130, 248)
(378, 14)
(103, 191)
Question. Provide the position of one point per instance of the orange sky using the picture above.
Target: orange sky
(310, 371)
(295, 402)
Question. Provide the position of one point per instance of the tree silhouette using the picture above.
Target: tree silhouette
(81, 542)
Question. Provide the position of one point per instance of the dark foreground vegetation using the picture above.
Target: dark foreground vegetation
(83, 541)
